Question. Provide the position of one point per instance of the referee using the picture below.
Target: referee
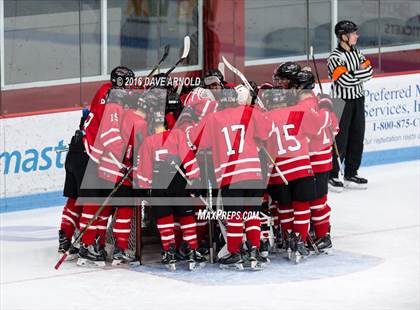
(349, 69)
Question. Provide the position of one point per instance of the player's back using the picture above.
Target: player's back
(288, 144)
(231, 133)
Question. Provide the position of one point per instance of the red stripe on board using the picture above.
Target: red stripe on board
(62, 110)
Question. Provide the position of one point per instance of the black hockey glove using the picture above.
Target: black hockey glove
(77, 139)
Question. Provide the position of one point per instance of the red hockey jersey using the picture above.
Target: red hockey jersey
(110, 143)
(320, 145)
(158, 147)
(231, 134)
(118, 136)
(93, 121)
(289, 143)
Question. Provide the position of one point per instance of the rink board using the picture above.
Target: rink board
(32, 164)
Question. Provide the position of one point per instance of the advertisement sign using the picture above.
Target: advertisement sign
(32, 152)
(392, 111)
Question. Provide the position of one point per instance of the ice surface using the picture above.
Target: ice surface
(375, 264)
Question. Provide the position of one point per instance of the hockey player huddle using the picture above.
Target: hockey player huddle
(265, 151)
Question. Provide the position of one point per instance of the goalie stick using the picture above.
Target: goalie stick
(244, 80)
(165, 54)
(95, 217)
(337, 153)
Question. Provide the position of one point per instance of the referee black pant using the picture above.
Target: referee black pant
(350, 137)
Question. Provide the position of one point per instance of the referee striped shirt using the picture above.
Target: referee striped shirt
(348, 70)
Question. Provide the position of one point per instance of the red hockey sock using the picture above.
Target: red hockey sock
(70, 217)
(302, 215)
(166, 229)
(320, 216)
(252, 230)
(122, 226)
(235, 233)
(189, 232)
(88, 212)
(286, 218)
(102, 224)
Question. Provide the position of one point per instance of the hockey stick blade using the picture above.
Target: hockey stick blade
(186, 51)
(187, 45)
(243, 78)
(164, 56)
(166, 53)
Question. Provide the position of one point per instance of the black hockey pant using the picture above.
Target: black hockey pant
(351, 136)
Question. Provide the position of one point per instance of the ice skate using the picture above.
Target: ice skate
(64, 245)
(168, 258)
(124, 258)
(90, 257)
(335, 185)
(355, 182)
(299, 251)
(253, 260)
(279, 242)
(288, 245)
(203, 248)
(264, 248)
(324, 245)
(233, 261)
(195, 260)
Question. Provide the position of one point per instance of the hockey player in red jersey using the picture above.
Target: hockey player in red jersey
(80, 150)
(122, 130)
(288, 145)
(92, 250)
(231, 134)
(199, 103)
(165, 162)
(320, 151)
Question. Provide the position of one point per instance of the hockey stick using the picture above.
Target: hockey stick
(187, 43)
(243, 78)
(311, 241)
(165, 54)
(139, 234)
(94, 218)
(275, 166)
(337, 153)
(173, 163)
